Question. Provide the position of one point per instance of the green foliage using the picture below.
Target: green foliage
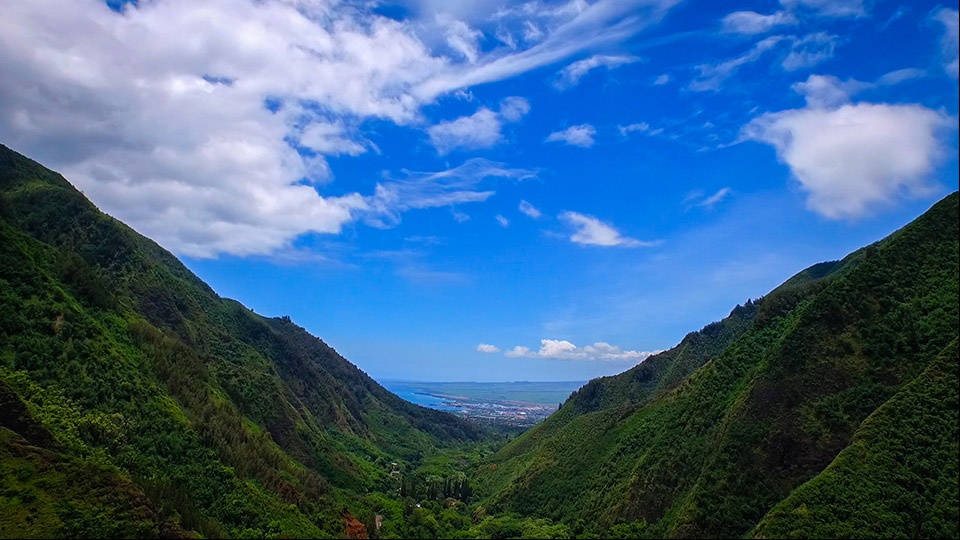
(136, 402)
(707, 438)
(898, 478)
(225, 423)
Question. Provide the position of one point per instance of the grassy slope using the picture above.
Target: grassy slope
(710, 456)
(230, 423)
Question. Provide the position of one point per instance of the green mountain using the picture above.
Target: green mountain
(827, 408)
(134, 401)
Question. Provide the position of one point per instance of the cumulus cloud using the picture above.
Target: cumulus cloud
(487, 348)
(949, 43)
(206, 126)
(564, 350)
(570, 76)
(482, 129)
(581, 135)
(479, 130)
(530, 210)
(827, 91)
(751, 22)
(590, 231)
(853, 158)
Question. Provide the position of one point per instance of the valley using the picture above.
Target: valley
(186, 414)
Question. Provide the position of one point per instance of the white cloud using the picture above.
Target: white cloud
(504, 222)
(628, 129)
(564, 350)
(751, 22)
(517, 352)
(712, 76)
(582, 27)
(590, 231)
(856, 157)
(828, 8)
(479, 130)
(460, 37)
(328, 138)
(530, 210)
(463, 184)
(950, 18)
(487, 348)
(827, 91)
(581, 135)
(810, 50)
(698, 199)
(661, 79)
(178, 117)
(570, 75)
(514, 108)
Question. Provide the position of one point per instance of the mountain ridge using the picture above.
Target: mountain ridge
(160, 379)
(705, 443)
(827, 407)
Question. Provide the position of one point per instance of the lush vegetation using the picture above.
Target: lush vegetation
(707, 438)
(135, 402)
(138, 403)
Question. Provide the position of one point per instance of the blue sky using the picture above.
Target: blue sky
(492, 190)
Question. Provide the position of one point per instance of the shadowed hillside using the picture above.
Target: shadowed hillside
(181, 411)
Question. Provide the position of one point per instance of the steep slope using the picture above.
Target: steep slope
(706, 444)
(224, 422)
(897, 479)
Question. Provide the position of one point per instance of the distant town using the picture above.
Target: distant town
(520, 404)
(512, 413)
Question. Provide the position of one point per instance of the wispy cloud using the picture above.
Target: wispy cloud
(571, 75)
(587, 26)
(581, 136)
(564, 350)
(712, 76)
(853, 158)
(751, 22)
(950, 19)
(590, 231)
(698, 199)
(529, 210)
(631, 128)
(487, 348)
(504, 222)
(827, 8)
(462, 184)
(810, 50)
